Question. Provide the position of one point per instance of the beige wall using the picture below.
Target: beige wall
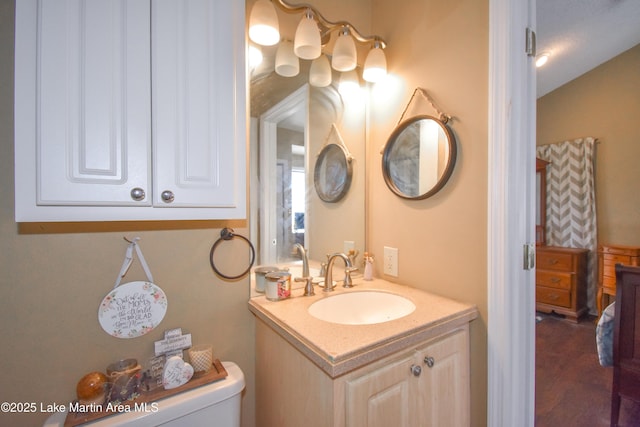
(604, 103)
(53, 277)
(441, 47)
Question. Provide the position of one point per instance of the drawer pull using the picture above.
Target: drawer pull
(555, 280)
(554, 296)
(429, 361)
(553, 261)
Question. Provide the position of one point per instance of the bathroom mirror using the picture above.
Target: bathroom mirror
(332, 173)
(290, 123)
(419, 157)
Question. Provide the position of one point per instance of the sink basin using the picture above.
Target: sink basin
(361, 308)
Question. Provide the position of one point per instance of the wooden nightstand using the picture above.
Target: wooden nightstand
(561, 275)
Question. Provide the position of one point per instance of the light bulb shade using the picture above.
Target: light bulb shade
(320, 72)
(287, 63)
(307, 40)
(263, 24)
(255, 56)
(375, 66)
(344, 57)
(349, 85)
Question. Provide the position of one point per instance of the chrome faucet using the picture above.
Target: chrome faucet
(306, 277)
(298, 248)
(328, 275)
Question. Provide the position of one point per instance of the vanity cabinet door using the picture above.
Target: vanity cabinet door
(444, 385)
(126, 107)
(382, 397)
(424, 387)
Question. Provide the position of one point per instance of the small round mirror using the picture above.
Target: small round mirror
(419, 157)
(332, 173)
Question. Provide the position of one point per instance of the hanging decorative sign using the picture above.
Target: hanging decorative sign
(135, 308)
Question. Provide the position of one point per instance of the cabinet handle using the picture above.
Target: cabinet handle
(167, 196)
(429, 361)
(137, 194)
(416, 370)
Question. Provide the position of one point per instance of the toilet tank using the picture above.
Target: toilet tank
(215, 404)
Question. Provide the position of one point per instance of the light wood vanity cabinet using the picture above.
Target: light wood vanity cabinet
(425, 384)
(428, 386)
(561, 275)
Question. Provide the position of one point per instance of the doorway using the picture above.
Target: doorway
(282, 147)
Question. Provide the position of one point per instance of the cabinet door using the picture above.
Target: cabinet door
(198, 127)
(444, 383)
(382, 397)
(92, 88)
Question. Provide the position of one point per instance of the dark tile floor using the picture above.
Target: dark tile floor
(572, 389)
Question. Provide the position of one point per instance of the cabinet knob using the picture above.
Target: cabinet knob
(429, 361)
(137, 194)
(167, 196)
(416, 370)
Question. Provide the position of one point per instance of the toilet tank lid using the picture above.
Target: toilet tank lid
(216, 391)
(204, 396)
(174, 406)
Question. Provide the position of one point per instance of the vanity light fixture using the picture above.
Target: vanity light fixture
(541, 59)
(349, 84)
(255, 56)
(345, 55)
(287, 63)
(313, 35)
(375, 66)
(307, 41)
(263, 24)
(320, 72)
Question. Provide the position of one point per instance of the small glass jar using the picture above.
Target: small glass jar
(278, 285)
(260, 279)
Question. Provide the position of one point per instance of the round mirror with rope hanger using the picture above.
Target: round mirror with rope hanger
(419, 156)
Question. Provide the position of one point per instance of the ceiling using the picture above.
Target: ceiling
(579, 35)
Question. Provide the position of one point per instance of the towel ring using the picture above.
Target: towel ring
(228, 234)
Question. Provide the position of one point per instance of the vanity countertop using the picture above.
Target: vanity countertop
(338, 349)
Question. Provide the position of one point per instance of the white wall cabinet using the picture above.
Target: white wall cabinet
(130, 110)
(427, 384)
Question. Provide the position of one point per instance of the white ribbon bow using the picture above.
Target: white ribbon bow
(128, 260)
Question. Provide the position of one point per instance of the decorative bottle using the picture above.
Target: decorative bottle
(368, 266)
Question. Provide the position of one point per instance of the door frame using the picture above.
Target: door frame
(268, 138)
(511, 216)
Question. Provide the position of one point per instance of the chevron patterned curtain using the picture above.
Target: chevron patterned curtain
(571, 201)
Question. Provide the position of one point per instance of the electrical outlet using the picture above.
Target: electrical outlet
(349, 245)
(390, 261)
